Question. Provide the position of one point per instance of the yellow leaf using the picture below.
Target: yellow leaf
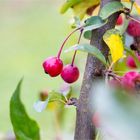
(115, 44)
(80, 7)
(125, 0)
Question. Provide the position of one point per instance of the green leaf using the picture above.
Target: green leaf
(89, 49)
(93, 23)
(56, 96)
(24, 127)
(87, 35)
(93, 20)
(110, 8)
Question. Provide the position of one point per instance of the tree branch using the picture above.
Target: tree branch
(85, 129)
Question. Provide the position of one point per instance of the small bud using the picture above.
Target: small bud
(43, 95)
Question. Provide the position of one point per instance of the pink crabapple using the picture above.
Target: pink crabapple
(128, 80)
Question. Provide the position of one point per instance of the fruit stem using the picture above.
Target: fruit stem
(59, 53)
(133, 18)
(81, 31)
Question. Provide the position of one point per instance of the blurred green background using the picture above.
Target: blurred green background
(30, 31)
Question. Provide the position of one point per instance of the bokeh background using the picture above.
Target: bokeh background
(30, 31)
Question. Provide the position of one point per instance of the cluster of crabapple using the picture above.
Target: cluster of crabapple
(130, 80)
(133, 27)
(53, 66)
(134, 31)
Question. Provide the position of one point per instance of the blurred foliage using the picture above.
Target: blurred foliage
(80, 7)
(118, 113)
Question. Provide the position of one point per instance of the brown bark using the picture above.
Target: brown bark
(85, 129)
(137, 44)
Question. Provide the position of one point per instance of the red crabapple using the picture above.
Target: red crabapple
(133, 28)
(70, 73)
(53, 66)
(119, 20)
